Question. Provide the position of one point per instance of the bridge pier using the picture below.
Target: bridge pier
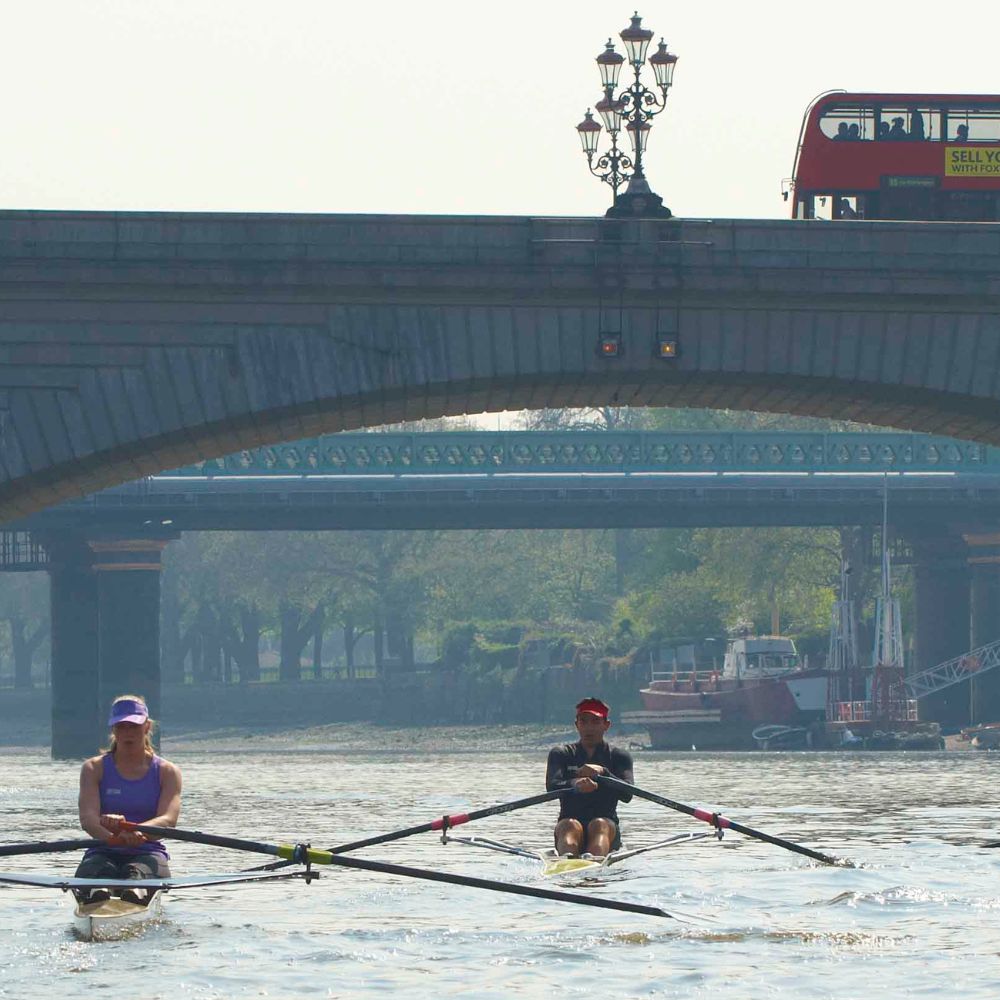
(943, 614)
(128, 577)
(985, 562)
(105, 598)
(76, 708)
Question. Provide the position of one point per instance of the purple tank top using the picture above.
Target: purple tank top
(136, 800)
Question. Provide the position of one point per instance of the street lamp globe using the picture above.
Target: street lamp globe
(611, 113)
(610, 64)
(636, 39)
(663, 63)
(589, 132)
(638, 134)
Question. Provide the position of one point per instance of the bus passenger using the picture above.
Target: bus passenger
(845, 210)
(854, 132)
(897, 133)
(962, 133)
(841, 135)
(883, 131)
(916, 125)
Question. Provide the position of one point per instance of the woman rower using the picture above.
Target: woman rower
(127, 782)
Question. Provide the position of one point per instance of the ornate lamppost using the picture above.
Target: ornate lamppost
(634, 107)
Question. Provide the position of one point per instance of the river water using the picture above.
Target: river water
(918, 918)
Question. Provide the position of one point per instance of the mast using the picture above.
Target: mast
(843, 655)
(888, 694)
(888, 650)
(845, 682)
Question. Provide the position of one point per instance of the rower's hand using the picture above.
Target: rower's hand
(127, 838)
(585, 785)
(121, 836)
(590, 771)
(112, 821)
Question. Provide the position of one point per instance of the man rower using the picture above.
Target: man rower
(588, 818)
(127, 782)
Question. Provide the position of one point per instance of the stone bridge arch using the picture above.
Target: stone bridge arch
(134, 343)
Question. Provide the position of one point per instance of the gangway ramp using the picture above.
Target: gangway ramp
(954, 671)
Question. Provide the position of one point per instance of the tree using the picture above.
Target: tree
(683, 605)
(780, 579)
(24, 605)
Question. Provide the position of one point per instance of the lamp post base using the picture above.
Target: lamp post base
(638, 202)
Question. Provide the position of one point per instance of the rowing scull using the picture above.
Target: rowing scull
(114, 918)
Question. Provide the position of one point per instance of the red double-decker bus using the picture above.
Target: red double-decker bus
(898, 156)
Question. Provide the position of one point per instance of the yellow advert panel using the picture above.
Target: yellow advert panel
(965, 161)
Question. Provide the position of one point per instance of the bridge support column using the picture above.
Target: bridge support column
(128, 575)
(985, 561)
(942, 620)
(76, 709)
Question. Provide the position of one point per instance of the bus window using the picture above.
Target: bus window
(848, 124)
(848, 207)
(974, 124)
(823, 207)
(909, 124)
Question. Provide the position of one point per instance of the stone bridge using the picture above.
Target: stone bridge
(133, 343)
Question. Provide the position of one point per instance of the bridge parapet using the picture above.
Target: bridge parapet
(480, 252)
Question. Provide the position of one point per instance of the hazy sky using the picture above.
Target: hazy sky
(440, 106)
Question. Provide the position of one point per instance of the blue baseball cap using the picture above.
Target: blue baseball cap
(128, 710)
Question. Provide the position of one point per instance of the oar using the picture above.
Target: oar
(443, 823)
(720, 822)
(992, 843)
(48, 847)
(302, 854)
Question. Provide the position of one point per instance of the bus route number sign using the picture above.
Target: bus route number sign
(909, 182)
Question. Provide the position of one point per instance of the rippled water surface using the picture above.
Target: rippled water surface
(919, 918)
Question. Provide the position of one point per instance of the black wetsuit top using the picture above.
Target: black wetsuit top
(585, 806)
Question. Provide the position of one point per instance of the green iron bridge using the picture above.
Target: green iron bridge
(571, 479)
(581, 452)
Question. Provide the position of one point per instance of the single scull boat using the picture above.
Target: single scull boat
(115, 918)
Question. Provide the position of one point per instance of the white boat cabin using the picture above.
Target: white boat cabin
(760, 656)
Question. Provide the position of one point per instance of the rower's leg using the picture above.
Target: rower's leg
(95, 866)
(142, 866)
(600, 837)
(569, 837)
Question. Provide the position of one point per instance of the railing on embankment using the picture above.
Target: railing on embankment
(418, 699)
